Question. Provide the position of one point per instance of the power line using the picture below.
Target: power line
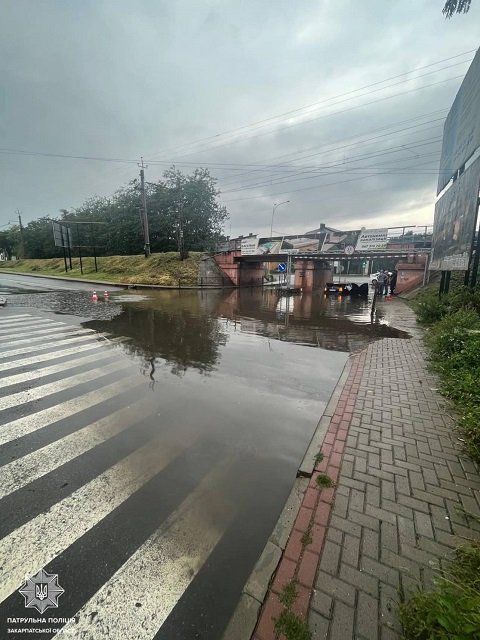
(280, 179)
(320, 186)
(348, 93)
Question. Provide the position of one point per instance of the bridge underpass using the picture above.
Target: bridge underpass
(313, 270)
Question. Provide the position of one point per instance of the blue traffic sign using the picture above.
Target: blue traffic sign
(282, 267)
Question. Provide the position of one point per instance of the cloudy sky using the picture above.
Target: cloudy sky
(334, 105)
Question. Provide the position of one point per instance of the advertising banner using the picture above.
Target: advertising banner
(372, 240)
(249, 246)
(300, 245)
(340, 242)
(455, 220)
(461, 133)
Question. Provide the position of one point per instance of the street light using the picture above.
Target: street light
(276, 204)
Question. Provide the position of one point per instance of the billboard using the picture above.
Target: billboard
(455, 222)
(253, 246)
(461, 132)
(372, 240)
(331, 242)
(62, 235)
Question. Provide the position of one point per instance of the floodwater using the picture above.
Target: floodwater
(236, 381)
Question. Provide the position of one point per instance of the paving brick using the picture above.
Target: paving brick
(359, 580)
(318, 626)
(351, 550)
(308, 568)
(367, 616)
(334, 587)
(342, 622)
(381, 571)
(330, 558)
(370, 543)
(285, 572)
(266, 625)
(423, 524)
(322, 603)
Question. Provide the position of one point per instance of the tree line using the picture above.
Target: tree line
(183, 211)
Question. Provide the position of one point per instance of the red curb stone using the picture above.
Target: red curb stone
(339, 446)
(272, 609)
(327, 495)
(327, 449)
(342, 434)
(335, 459)
(322, 513)
(300, 606)
(294, 547)
(310, 498)
(322, 466)
(303, 519)
(333, 473)
(336, 418)
(329, 438)
(318, 535)
(308, 568)
(285, 572)
(313, 479)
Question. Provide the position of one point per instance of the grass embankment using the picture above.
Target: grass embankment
(452, 610)
(161, 268)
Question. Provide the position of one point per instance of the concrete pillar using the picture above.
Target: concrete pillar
(311, 275)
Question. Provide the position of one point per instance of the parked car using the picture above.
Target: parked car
(374, 276)
(346, 289)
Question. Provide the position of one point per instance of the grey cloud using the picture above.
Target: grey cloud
(129, 78)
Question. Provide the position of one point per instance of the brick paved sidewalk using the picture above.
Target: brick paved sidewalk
(399, 504)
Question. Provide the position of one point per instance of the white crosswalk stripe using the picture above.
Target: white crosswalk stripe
(18, 473)
(159, 572)
(163, 564)
(83, 337)
(40, 419)
(49, 333)
(9, 319)
(29, 327)
(44, 390)
(39, 330)
(36, 374)
(45, 357)
(30, 547)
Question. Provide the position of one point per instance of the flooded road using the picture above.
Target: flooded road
(150, 440)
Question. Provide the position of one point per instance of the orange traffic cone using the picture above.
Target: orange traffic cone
(94, 296)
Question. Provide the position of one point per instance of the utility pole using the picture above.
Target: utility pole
(146, 232)
(22, 240)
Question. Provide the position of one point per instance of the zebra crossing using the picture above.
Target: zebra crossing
(98, 487)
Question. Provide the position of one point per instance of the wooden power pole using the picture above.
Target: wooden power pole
(146, 231)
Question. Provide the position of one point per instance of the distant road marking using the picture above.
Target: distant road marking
(36, 543)
(49, 345)
(36, 374)
(50, 355)
(17, 474)
(44, 390)
(40, 419)
(160, 571)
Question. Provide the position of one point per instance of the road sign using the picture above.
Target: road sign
(282, 267)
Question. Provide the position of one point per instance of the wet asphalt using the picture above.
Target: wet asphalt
(149, 440)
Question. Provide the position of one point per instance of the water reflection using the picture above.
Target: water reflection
(189, 328)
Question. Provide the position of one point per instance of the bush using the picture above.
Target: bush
(453, 609)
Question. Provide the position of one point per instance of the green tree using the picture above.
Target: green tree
(456, 6)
